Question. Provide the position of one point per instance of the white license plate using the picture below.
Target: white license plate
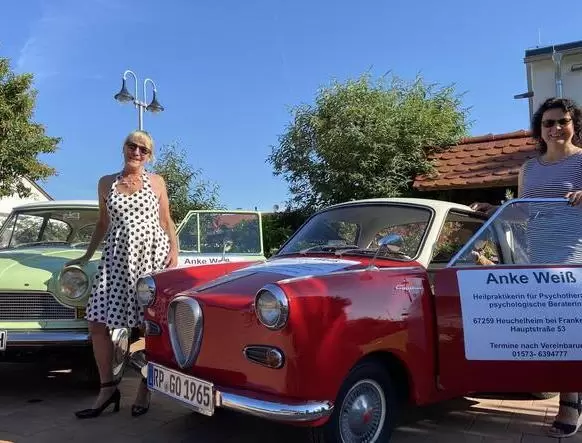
(3, 340)
(196, 393)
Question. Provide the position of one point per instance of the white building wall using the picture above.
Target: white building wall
(541, 73)
(7, 203)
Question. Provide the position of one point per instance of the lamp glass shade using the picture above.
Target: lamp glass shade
(155, 106)
(123, 95)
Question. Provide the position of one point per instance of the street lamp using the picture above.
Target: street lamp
(124, 96)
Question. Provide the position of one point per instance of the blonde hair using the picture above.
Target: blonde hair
(145, 138)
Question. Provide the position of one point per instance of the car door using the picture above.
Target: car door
(509, 303)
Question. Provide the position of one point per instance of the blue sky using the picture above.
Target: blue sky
(228, 71)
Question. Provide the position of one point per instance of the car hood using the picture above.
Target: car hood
(279, 269)
(32, 269)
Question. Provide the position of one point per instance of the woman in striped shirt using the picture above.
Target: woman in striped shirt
(556, 172)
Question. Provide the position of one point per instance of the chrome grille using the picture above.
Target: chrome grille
(33, 306)
(185, 324)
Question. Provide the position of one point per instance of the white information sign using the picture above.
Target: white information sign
(522, 314)
(188, 260)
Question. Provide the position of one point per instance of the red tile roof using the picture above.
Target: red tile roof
(230, 220)
(486, 161)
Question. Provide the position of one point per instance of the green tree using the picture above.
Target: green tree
(365, 139)
(278, 227)
(21, 139)
(186, 189)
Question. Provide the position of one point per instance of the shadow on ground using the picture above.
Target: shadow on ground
(37, 405)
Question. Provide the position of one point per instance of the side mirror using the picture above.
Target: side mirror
(392, 242)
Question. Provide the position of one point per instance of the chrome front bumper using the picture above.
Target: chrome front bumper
(290, 413)
(284, 412)
(47, 338)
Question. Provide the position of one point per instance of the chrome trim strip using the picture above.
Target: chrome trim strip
(403, 268)
(184, 357)
(289, 413)
(31, 338)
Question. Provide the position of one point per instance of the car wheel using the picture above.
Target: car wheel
(365, 409)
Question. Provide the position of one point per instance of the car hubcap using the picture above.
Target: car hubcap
(120, 338)
(363, 413)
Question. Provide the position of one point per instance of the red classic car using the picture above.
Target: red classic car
(372, 304)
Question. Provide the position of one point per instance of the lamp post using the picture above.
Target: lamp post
(124, 96)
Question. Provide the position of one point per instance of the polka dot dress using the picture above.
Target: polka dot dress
(135, 244)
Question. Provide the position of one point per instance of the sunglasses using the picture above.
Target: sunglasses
(142, 149)
(551, 123)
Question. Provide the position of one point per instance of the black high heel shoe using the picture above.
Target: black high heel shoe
(136, 410)
(114, 399)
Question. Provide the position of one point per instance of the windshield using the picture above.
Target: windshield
(212, 232)
(362, 226)
(49, 227)
(527, 231)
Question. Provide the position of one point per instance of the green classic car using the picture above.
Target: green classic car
(42, 311)
(42, 304)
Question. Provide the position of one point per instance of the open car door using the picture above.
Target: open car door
(509, 303)
(215, 236)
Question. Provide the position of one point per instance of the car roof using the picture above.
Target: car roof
(436, 204)
(58, 204)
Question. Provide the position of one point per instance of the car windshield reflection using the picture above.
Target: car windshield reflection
(70, 228)
(215, 232)
(527, 232)
(360, 228)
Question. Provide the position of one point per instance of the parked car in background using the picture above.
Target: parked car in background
(369, 306)
(42, 305)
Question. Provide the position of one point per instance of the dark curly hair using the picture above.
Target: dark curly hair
(566, 105)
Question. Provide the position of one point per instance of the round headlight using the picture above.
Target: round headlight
(145, 290)
(272, 307)
(73, 283)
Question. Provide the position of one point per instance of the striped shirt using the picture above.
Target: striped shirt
(554, 230)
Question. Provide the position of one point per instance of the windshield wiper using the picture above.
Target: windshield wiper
(355, 250)
(385, 252)
(327, 248)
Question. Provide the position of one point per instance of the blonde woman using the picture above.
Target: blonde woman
(139, 238)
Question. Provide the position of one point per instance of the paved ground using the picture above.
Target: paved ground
(36, 406)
